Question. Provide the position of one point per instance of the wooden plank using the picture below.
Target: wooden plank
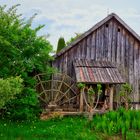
(65, 63)
(114, 39)
(110, 26)
(88, 47)
(118, 46)
(93, 46)
(84, 51)
(122, 48)
(138, 60)
(136, 72)
(81, 102)
(102, 47)
(79, 50)
(126, 56)
(131, 63)
(106, 40)
(111, 98)
(97, 45)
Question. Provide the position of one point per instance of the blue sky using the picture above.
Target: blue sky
(67, 17)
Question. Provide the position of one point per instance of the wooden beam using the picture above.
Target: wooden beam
(81, 101)
(111, 97)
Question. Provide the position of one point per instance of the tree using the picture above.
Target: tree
(22, 53)
(61, 44)
(72, 39)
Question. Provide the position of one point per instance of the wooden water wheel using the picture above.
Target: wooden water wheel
(59, 92)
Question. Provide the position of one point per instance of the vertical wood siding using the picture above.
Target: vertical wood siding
(110, 42)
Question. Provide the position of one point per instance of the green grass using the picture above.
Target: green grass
(67, 128)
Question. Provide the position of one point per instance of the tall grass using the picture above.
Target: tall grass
(122, 122)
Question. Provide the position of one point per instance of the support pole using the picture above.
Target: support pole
(111, 97)
(106, 101)
(81, 101)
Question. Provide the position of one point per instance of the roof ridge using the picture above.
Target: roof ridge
(96, 26)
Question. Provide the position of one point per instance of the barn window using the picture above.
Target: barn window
(106, 25)
(119, 29)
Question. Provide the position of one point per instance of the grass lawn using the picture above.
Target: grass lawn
(68, 128)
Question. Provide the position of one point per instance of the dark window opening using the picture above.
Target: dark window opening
(106, 25)
(119, 29)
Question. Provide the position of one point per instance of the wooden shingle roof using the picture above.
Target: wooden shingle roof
(90, 71)
(99, 24)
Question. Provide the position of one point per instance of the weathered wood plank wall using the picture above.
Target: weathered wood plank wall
(110, 42)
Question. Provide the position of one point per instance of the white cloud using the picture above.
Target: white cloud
(65, 17)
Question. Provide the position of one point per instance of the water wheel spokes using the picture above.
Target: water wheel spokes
(64, 94)
(67, 100)
(61, 90)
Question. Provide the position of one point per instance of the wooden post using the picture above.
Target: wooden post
(111, 97)
(106, 101)
(81, 101)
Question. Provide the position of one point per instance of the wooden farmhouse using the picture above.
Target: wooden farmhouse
(109, 54)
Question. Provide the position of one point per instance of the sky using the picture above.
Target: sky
(64, 18)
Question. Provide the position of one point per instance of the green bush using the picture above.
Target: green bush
(9, 88)
(24, 107)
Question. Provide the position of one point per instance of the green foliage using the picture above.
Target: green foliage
(91, 96)
(72, 39)
(99, 88)
(61, 44)
(124, 94)
(24, 107)
(23, 53)
(81, 86)
(68, 128)
(91, 91)
(9, 88)
(126, 89)
(117, 122)
(22, 50)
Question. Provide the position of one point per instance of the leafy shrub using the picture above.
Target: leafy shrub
(24, 107)
(9, 88)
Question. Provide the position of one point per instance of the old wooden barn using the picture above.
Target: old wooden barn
(108, 53)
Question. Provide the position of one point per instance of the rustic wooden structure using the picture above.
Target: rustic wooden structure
(110, 40)
(93, 72)
(57, 94)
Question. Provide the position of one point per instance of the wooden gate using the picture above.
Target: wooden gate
(60, 92)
